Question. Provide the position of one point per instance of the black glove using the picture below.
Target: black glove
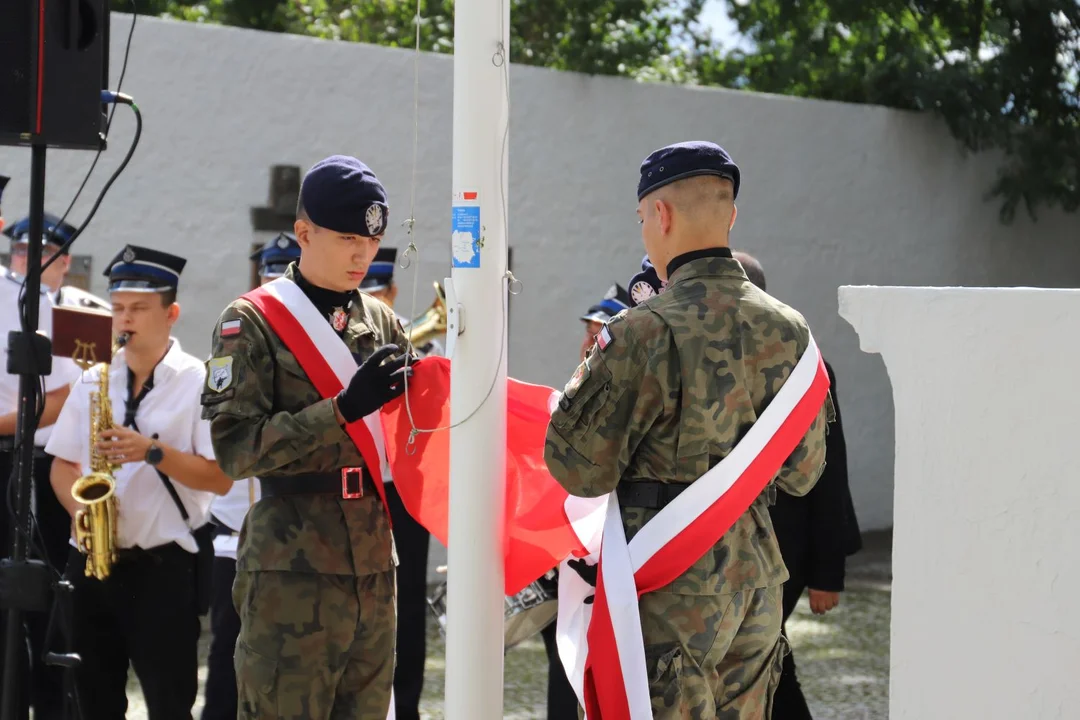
(373, 384)
(584, 569)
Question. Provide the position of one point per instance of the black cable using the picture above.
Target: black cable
(39, 399)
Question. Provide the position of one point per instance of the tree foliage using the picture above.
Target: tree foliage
(600, 37)
(1003, 74)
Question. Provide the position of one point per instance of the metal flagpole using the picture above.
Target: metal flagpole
(475, 597)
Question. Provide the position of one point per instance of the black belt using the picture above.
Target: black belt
(347, 483)
(648, 494)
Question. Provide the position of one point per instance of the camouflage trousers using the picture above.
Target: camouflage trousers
(713, 656)
(314, 647)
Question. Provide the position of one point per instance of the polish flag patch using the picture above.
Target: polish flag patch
(230, 328)
(603, 339)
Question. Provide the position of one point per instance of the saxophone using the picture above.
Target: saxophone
(95, 524)
(431, 323)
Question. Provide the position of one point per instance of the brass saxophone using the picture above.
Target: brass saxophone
(95, 524)
(431, 323)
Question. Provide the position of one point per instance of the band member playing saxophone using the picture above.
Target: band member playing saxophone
(139, 600)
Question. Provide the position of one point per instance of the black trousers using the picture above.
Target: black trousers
(224, 628)
(38, 685)
(562, 703)
(789, 702)
(143, 613)
(412, 542)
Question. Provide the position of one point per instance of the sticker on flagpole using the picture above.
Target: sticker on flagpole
(465, 229)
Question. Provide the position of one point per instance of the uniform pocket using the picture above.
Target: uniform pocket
(256, 684)
(587, 391)
(665, 682)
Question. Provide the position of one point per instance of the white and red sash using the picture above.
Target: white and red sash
(601, 644)
(324, 358)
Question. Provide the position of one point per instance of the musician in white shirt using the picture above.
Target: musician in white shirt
(44, 686)
(146, 611)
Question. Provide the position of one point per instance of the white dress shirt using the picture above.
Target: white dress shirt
(231, 509)
(64, 370)
(147, 515)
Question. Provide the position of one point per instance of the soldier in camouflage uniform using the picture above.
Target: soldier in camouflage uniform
(315, 572)
(665, 395)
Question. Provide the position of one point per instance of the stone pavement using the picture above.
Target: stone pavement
(842, 658)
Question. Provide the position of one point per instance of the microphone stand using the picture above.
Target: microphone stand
(24, 584)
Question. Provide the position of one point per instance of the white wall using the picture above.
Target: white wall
(986, 527)
(832, 194)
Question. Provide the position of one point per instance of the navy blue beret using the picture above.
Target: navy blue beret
(645, 284)
(683, 160)
(139, 269)
(616, 299)
(381, 271)
(342, 194)
(274, 257)
(56, 232)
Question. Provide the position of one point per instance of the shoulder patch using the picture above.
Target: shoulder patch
(603, 338)
(230, 328)
(219, 373)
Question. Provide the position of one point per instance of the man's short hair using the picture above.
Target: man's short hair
(752, 267)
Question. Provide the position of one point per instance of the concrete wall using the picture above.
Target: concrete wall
(832, 194)
(985, 570)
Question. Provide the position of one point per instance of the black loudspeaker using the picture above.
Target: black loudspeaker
(54, 63)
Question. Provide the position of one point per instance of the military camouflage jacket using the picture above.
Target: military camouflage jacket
(268, 419)
(670, 390)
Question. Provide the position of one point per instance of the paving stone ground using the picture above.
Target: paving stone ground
(842, 658)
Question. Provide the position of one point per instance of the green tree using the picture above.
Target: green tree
(602, 37)
(1003, 74)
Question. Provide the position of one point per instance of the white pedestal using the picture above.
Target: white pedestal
(986, 543)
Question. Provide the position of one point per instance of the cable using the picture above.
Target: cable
(39, 399)
(500, 60)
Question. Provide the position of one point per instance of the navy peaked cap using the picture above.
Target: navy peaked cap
(645, 284)
(616, 299)
(381, 271)
(139, 269)
(56, 232)
(274, 257)
(683, 160)
(342, 194)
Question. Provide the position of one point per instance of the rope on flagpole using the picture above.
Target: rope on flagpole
(500, 59)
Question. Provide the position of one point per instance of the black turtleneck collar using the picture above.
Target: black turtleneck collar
(679, 260)
(327, 301)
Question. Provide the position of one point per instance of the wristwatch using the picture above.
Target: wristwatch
(154, 454)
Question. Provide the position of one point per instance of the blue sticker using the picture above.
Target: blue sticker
(465, 240)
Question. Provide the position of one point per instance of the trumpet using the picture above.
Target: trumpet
(95, 524)
(429, 324)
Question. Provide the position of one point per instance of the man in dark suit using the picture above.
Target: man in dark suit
(816, 533)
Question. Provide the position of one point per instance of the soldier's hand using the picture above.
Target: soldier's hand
(373, 384)
(822, 601)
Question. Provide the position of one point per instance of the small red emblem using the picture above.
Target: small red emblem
(339, 319)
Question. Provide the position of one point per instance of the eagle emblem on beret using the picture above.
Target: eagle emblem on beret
(374, 219)
(641, 291)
